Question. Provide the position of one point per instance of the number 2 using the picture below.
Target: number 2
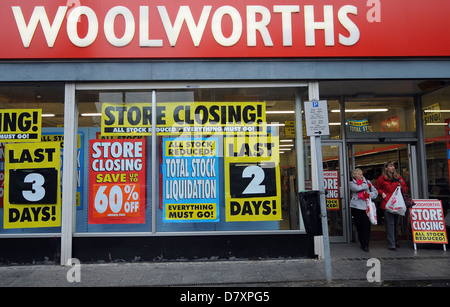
(255, 186)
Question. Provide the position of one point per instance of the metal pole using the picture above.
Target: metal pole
(154, 163)
(323, 210)
(313, 90)
(69, 175)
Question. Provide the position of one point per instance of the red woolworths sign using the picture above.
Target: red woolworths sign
(58, 29)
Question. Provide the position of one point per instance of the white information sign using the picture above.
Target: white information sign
(316, 116)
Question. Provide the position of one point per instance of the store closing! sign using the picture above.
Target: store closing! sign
(20, 125)
(252, 177)
(32, 185)
(190, 171)
(427, 222)
(182, 117)
(117, 181)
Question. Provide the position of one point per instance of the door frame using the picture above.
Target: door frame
(413, 164)
(344, 191)
(346, 163)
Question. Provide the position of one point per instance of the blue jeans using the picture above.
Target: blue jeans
(391, 221)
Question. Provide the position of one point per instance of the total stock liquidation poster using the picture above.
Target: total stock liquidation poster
(190, 172)
(196, 170)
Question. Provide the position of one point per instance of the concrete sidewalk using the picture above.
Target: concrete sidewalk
(349, 267)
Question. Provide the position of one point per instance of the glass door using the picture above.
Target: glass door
(371, 158)
(335, 180)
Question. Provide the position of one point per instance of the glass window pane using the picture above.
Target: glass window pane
(436, 114)
(390, 114)
(116, 172)
(32, 121)
(334, 119)
(227, 160)
(222, 167)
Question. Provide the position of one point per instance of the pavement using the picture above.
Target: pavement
(351, 266)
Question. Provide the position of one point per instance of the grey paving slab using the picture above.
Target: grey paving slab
(133, 277)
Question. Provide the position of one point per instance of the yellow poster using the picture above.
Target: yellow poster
(32, 185)
(252, 178)
(182, 117)
(20, 125)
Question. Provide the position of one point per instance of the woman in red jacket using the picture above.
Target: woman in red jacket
(386, 185)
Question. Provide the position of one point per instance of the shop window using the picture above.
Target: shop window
(117, 173)
(31, 123)
(226, 160)
(390, 114)
(436, 116)
(334, 119)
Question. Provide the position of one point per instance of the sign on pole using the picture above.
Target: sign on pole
(316, 117)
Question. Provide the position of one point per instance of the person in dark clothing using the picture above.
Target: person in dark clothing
(361, 190)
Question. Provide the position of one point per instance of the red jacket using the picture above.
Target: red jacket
(388, 186)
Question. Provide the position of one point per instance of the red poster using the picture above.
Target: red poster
(427, 222)
(331, 183)
(391, 124)
(117, 181)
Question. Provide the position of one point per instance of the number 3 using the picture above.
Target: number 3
(37, 190)
(255, 186)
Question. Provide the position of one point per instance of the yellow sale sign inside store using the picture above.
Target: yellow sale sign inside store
(182, 117)
(20, 125)
(32, 185)
(252, 177)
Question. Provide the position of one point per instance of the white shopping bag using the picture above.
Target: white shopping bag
(371, 211)
(396, 204)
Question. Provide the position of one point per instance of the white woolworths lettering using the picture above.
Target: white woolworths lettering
(216, 26)
(130, 26)
(184, 15)
(39, 16)
(72, 24)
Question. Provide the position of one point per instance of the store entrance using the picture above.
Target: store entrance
(370, 158)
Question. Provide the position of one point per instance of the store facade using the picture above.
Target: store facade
(224, 85)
